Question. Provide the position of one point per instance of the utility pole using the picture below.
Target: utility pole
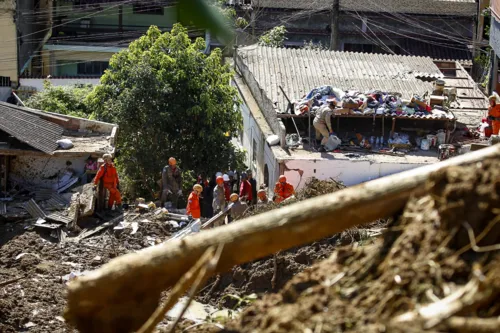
(334, 37)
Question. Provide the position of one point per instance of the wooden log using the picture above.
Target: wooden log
(122, 295)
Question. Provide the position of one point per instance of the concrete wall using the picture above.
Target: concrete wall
(350, 172)
(264, 154)
(8, 40)
(35, 170)
(37, 84)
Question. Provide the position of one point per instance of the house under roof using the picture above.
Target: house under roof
(270, 71)
(30, 128)
(298, 71)
(39, 131)
(431, 7)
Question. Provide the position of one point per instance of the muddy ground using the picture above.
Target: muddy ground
(272, 273)
(444, 244)
(35, 303)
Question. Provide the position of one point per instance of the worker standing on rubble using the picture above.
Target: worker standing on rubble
(238, 209)
(193, 206)
(283, 190)
(227, 186)
(253, 183)
(171, 183)
(323, 123)
(494, 113)
(245, 188)
(107, 172)
(219, 202)
(263, 198)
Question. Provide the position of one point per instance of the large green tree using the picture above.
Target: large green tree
(69, 100)
(169, 99)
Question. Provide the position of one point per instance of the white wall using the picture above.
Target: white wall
(350, 172)
(38, 83)
(251, 132)
(35, 170)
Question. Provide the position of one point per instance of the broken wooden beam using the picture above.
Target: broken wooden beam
(101, 301)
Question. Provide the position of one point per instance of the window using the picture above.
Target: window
(92, 67)
(5, 81)
(254, 153)
(368, 48)
(148, 9)
(266, 175)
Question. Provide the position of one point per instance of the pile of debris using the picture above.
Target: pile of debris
(272, 273)
(435, 269)
(373, 103)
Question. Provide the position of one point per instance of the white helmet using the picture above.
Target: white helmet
(218, 174)
(225, 177)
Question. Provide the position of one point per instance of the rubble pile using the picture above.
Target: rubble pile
(435, 269)
(272, 273)
(44, 264)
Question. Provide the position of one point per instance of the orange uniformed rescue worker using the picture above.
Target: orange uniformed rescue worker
(494, 113)
(193, 206)
(283, 190)
(107, 172)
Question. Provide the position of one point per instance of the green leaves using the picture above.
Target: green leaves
(274, 37)
(68, 100)
(169, 99)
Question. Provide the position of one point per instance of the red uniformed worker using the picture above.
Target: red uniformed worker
(494, 113)
(245, 188)
(107, 172)
(193, 206)
(283, 190)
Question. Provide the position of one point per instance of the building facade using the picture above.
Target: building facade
(26, 26)
(440, 29)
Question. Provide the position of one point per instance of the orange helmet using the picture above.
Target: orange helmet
(220, 180)
(282, 179)
(172, 161)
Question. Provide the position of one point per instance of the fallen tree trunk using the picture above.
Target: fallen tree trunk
(121, 296)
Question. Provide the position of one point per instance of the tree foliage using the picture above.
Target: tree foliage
(169, 99)
(68, 100)
(274, 37)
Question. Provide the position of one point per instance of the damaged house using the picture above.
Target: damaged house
(31, 155)
(376, 141)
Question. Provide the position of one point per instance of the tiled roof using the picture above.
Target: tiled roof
(298, 71)
(440, 7)
(29, 128)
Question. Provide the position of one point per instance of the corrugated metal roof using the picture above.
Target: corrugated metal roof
(29, 128)
(299, 71)
(441, 7)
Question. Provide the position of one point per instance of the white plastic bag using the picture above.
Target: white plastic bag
(273, 140)
(65, 143)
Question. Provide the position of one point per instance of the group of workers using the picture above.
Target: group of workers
(208, 197)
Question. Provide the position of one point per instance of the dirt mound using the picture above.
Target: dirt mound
(36, 302)
(313, 188)
(440, 251)
(272, 273)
